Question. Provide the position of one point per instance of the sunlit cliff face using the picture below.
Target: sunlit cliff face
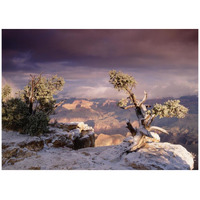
(163, 62)
(78, 103)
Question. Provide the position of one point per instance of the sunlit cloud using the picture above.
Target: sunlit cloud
(163, 62)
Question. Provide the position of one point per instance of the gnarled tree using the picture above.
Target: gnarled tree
(30, 112)
(39, 92)
(145, 115)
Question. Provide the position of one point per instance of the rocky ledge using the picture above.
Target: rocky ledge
(75, 135)
(25, 152)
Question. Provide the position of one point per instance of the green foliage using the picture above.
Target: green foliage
(37, 124)
(37, 95)
(171, 108)
(14, 114)
(122, 103)
(121, 81)
(16, 117)
(43, 92)
(6, 91)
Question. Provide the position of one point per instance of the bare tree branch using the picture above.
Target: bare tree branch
(151, 120)
(58, 104)
(156, 128)
(127, 107)
(132, 97)
(144, 99)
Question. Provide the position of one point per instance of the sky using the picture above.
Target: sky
(164, 62)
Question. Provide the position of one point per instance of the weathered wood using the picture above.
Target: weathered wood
(131, 129)
(158, 129)
(140, 143)
(31, 97)
(144, 99)
(127, 107)
(142, 134)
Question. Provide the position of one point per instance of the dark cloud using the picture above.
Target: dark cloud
(167, 57)
(103, 48)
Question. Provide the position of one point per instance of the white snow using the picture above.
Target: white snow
(153, 156)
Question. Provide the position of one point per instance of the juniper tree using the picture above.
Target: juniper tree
(15, 114)
(6, 91)
(40, 91)
(145, 115)
(30, 113)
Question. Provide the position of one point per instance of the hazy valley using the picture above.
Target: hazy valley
(107, 118)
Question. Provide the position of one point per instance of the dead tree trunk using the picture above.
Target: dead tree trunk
(31, 97)
(144, 120)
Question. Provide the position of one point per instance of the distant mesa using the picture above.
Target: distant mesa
(109, 102)
(108, 140)
(78, 104)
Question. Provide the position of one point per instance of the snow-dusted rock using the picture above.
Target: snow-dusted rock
(11, 155)
(74, 125)
(62, 141)
(82, 135)
(25, 152)
(152, 156)
(164, 156)
(33, 144)
(85, 139)
(16, 147)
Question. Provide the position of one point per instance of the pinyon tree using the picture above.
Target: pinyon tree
(29, 113)
(145, 115)
(40, 91)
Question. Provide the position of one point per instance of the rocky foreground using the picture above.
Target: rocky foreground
(74, 149)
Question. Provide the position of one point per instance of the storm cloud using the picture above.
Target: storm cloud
(164, 62)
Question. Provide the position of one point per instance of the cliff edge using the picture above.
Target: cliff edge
(25, 152)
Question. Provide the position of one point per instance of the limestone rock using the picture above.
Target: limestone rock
(62, 141)
(12, 155)
(163, 156)
(75, 135)
(34, 144)
(154, 156)
(23, 152)
(86, 139)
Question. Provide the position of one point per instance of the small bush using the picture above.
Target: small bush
(14, 114)
(37, 124)
(16, 117)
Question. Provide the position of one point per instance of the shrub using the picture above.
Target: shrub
(14, 114)
(37, 124)
(29, 114)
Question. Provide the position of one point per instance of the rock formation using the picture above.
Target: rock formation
(17, 147)
(25, 152)
(78, 104)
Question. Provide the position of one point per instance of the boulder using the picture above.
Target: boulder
(34, 144)
(161, 156)
(14, 154)
(85, 139)
(62, 141)
(152, 156)
(75, 135)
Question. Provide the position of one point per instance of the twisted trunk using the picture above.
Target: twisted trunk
(140, 133)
